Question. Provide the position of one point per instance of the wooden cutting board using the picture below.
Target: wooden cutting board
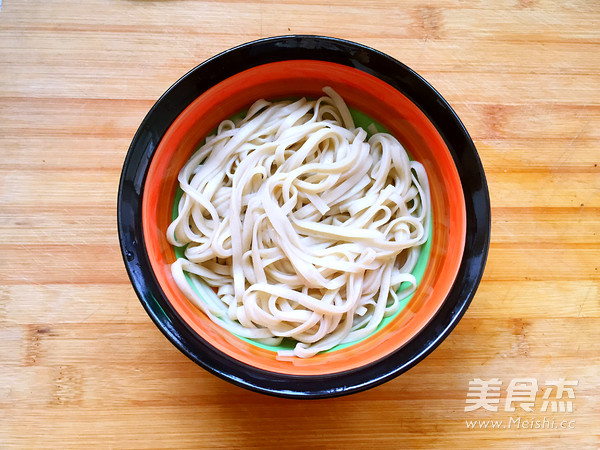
(82, 365)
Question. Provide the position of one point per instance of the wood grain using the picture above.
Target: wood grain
(82, 365)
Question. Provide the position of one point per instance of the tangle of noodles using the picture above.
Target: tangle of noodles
(306, 228)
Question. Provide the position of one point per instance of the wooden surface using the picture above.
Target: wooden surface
(82, 365)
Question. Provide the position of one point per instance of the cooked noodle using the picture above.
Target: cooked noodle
(306, 228)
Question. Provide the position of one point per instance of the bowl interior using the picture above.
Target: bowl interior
(362, 92)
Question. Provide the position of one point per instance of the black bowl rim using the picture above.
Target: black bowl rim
(291, 47)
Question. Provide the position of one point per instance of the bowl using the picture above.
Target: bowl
(379, 89)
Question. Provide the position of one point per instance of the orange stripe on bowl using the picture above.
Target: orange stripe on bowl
(365, 93)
